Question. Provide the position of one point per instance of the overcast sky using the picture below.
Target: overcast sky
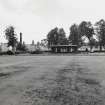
(35, 18)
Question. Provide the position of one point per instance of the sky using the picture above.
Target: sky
(35, 18)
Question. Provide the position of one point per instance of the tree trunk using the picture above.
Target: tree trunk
(14, 50)
(100, 48)
(91, 48)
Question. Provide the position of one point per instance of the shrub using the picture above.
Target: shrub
(9, 53)
(36, 52)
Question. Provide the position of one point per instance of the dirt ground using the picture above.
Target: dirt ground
(52, 80)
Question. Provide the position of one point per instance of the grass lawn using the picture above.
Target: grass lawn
(52, 80)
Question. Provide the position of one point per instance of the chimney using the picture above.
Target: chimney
(20, 38)
(33, 42)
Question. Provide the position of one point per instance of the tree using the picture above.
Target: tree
(44, 43)
(100, 32)
(74, 36)
(38, 45)
(57, 37)
(92, 43)
(62, 40)
(86, 29)
(33, 43)
(11, 37)
(52, 37)
(21, 47)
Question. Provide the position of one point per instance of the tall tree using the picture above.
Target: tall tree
(62, 40)
(44, 43)
(38, 45)
(100, 32)
(33, 43)
(86, 29)
(11, 37)
(74, 36)
(92, 43)
(52, 37)
(57, 37)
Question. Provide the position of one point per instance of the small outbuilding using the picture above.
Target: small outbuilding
(63, 48)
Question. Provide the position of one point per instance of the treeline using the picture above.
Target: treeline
(95, 35)
(12, 39)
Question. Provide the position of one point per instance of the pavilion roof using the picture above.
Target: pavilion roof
(63, 46)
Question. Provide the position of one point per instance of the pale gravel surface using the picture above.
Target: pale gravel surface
(52, 80)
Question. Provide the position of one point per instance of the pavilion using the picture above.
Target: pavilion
(63, 48)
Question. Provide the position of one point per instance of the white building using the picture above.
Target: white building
(30, 47)
(4, 47)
